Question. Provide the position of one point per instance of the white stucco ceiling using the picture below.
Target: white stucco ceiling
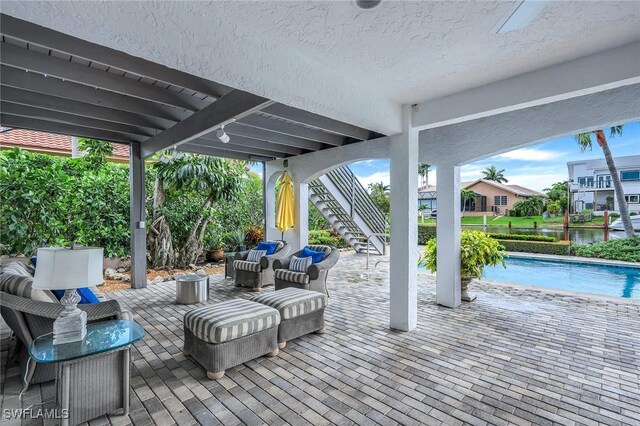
(337, 60)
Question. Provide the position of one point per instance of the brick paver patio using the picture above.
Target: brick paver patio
(515, 356)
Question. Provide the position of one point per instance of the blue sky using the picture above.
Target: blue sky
(535, 167)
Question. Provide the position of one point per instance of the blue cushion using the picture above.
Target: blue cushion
(86, 295)
(269, 247)
(34, 260)
(316, 256)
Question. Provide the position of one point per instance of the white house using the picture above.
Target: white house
(592, 188)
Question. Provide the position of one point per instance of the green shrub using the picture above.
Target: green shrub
(559, 248)
(425, 233)
(627, 249)
(522, 237)
(325, 237)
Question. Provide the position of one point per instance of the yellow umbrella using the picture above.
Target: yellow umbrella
(284, 205)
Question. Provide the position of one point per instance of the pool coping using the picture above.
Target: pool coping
(574, 259)
(559, 292)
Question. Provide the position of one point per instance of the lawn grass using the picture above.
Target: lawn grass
(521, 222)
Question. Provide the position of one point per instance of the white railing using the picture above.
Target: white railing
(384, 247)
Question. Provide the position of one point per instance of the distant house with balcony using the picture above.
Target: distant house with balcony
(491, 197)
(592, 188)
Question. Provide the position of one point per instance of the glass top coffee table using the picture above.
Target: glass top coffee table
(92, 375)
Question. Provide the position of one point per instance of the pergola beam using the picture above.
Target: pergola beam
(205, 150)
(63, 128)
(279, 126)
(62, 117)
(237, 148)
(318, 121)
(240, 129)
(165, 115)
(53, 103)
(45, 37)
(234, 105)
(253, 143)
(31, 60)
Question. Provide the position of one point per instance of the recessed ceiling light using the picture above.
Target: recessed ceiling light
(367, 4)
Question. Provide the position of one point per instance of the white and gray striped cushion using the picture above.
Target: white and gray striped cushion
(230, 320)
(245, 265)
(291, 276)
(299, 264)
(293, 302)
(256, 255)
(17, 278)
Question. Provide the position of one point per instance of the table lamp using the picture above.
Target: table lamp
(69, 269)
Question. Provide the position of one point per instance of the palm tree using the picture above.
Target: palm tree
(466, 195)
(585, 142)
(378, 188)
(492, 173)
(379, 193)
(423, 172)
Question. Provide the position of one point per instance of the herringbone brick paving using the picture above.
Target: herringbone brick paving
(515, 356)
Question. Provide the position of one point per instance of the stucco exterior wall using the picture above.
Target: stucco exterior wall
(491, 192)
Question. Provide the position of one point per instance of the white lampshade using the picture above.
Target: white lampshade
(60, 268)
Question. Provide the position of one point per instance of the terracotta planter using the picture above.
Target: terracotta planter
(216, 255)
(464, 287)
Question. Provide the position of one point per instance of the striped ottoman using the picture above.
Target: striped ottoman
(230, 333)
(302, 312)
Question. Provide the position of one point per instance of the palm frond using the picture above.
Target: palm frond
(584, 141)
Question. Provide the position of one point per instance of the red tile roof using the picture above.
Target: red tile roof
(48, 142)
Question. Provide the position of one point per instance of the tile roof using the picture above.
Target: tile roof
(514, 189)
(48, 142)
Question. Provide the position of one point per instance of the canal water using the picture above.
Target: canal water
(576, 235)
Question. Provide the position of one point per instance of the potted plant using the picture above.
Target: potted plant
(477, 250)
(216, 250)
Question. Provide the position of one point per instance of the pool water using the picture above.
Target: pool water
(600, 279)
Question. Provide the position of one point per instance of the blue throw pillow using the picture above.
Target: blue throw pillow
(316, 256)
(34, 260)
(269, 247)
(86, 295)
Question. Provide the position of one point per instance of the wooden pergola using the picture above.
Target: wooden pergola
(56, 83)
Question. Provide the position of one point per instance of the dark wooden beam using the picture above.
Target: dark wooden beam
(237, 148)
(214, 152)
(234, 105)
(62, 128)
(33, 61)
(240, 129)
(279, 126)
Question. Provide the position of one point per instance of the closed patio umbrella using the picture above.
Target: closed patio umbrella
(284, 205)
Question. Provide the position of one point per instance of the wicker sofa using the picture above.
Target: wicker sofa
(315, 278)
(256, 275)
(29, 318)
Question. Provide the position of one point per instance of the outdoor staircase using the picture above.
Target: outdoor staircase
(344, 202)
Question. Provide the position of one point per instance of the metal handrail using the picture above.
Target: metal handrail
(384, 246)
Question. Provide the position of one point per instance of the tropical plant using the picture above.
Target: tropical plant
(380, 195)
(423, 172)
(96, 151)
(211, 180)
(492, 173)
(553, 207)
(253, 235)
(477, 250)
(234, 239)
(467, 195)
(585, 142)
(558, 193)
(627, 249)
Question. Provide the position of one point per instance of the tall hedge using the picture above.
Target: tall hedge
(52, 201)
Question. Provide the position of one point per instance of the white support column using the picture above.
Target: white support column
(298, 237)
(404, 227)
(448, 235)
(137, 217)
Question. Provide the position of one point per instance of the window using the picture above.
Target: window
(632, 198)
(500, 200)
(630, 175)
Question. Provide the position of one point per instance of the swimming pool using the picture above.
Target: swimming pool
(600, 279)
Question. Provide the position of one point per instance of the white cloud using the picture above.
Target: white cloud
(375, 178)
(530, 154)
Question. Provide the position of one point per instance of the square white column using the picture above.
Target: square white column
(298, 237)
(448, 235)
(403, 280)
